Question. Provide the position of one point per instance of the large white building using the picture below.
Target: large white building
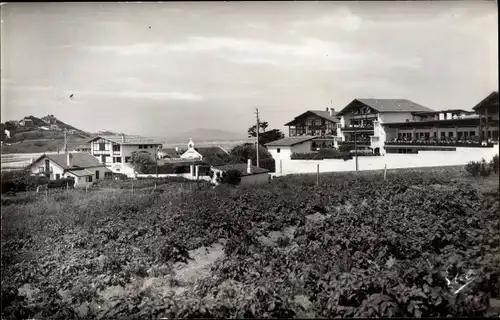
(115, 151)
(382, 126)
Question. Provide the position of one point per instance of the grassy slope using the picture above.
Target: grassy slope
(87, 247)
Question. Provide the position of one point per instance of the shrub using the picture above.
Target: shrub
(322, 154)
(478, 168)
(494, 164)
(232, 177)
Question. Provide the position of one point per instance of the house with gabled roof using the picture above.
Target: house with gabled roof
(115, 151)
(314, 123)
(81, 166)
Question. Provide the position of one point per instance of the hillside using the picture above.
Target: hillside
(32, 134)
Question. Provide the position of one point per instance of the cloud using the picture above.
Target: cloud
(342, 18)
(61, 94)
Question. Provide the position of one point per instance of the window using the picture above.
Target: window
(278, 150)
(450, 134)
(443, 135)
(119, 159)
(140, 146)
(116, 147)
(127, 159)
(102, 146)
(89, 179)
(97, 174)
(47, 165)
(472, 133)
(58, 176)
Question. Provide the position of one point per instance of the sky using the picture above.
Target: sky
(162, 69)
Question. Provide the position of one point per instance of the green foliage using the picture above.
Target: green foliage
(494, 164)
(479, 168)
(141, 161)
(232, 177)
(264, 135)
(322, 154)
(355, 246)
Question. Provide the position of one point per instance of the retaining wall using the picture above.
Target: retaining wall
(393, 161)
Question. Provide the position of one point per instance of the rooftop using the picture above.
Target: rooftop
(290, 141)
(389, 105)
(242, 168)
(79, 160)
(320, 113)
(129, 139)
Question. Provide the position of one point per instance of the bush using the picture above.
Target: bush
(346, 147)
(478, 168)
(231, 177)
(494, 164)
(322, 154)
(61, 183)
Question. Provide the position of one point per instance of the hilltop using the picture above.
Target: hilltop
(32, 134)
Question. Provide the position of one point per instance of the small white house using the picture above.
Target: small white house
(283, 149)
(200, 153)
(81, 166)
(250, 175)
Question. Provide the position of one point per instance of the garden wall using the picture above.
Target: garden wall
(393, 161)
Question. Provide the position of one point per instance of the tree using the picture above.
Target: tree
(241, 153)
(232, 177)
(265, 136)
(141, 161)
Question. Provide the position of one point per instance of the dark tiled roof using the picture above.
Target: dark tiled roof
(207, 152)
(320, 113)
(242, 168)
(79, 160)
(491, 99)
(290, 141)
(81, 173)
(129, 139)
(390, 105)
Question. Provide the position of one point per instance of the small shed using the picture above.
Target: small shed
(250, 175)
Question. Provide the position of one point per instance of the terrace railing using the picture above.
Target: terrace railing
(441, 143)
(358, 127)
(361, 142)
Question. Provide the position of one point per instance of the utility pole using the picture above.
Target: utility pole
(156, 162)
(65, 142)
(356, 147)
(257, 134)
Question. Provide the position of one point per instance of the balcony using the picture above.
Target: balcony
(357, 142)
(357, 128)
(441, 143)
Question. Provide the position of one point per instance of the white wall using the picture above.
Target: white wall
(35, 169)
(423, 159)
(394, 117)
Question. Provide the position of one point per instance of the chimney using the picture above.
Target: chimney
(68, 159)
(123, 138)
(331, 110)
(249, 166)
